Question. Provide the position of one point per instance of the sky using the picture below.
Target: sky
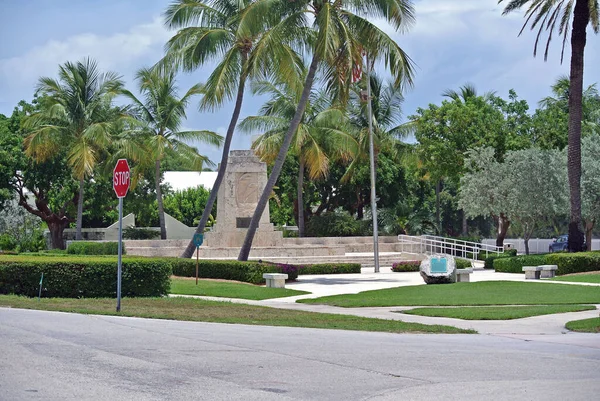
(453, 42)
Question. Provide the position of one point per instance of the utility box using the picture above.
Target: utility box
(508, 247)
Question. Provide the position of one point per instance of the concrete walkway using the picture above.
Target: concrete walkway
(334, 284)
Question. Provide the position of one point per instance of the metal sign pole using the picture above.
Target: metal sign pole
(120, 254)
(197, 251)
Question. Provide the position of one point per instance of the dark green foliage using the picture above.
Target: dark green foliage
(249, 272)
(406, 266)
(515, 264)
(140, 233)
(489, 260)
(574, 262)
(187, 205)
(462, 263)
(330, 268)
(337, 225)
(83, 277)
(94, 248)
(7, 242)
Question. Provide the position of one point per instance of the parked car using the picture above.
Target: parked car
(562, 244)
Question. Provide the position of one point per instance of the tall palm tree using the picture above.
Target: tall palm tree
(75, 112)
(322, 134)
(551, 15)
(161, 114)
(340, 33)
(219, 30)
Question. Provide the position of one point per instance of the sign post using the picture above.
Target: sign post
(198, 240)
(121, 182)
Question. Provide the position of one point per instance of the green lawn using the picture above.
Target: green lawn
(497, 313)
(585, 326)
(210, 288)
(481, 293)
(580, 278)
(221, 312)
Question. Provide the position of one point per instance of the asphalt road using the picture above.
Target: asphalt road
(59, 356)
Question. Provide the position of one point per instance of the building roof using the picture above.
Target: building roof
(180, 180)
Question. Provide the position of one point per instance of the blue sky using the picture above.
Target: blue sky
(453, 42)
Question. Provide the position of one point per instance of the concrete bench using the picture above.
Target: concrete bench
(462, 275)
(548, 271)
(275, 280)
(532, 272)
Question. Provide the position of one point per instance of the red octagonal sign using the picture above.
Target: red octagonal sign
(121, 175)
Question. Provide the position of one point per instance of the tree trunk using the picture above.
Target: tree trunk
(526, 241)
(589, 228)
(159, 200)
(301, 198)
(78, 235)
(360, 207)
(578, 41)
(57, 229)
(503, 224)
(438, 218)
(212, 197)
(465, 225)
(264, 199)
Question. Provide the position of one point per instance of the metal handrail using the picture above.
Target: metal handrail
(430, 244)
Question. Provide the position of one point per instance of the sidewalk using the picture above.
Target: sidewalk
(548, 326)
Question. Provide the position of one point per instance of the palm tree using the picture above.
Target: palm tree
(551, 15)
(75, 112)
(219, 30)
(340, 32)
(320, 137)
(161, 114)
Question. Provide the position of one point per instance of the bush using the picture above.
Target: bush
(7, 242)
(406, 266)
(462, 263)
(140, 233)
(337, 224)
(249, 272)
(94, 248)
(78, 277)
(515, 264)
(574, 262)
(330, 268)
(489, 260)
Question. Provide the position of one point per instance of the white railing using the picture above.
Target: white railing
(430, 244)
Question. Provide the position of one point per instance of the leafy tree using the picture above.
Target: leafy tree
(75, 115)
(188, 205)
(340, 32)
(551, 15)
(161, 114)
(590, 184)
(220, 30)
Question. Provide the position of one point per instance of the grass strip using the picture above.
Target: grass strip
(579, 278)
(466, 294)
(585, 326)
(198, 310)
(497, 313)
(186, 286)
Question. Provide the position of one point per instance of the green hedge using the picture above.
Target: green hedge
(489, 260)
(249, 272)
(462, 263)
(515, 264)
(574, 262)
(406, 266)
(94, 248)
(330, 268)
(78, 277)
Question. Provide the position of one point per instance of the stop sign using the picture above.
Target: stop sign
(121, 175)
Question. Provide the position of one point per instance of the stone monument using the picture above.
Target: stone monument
(243, 183)
(438, 269)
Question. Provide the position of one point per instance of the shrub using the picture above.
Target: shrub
(462, 263)
(140, 233)
(574, 262)
(406, 266)
(94, 248)
(489, 260)
(249, 272)
(7, 242)
(78, 277)
(330, 268)
(515, 264)
(337, 224)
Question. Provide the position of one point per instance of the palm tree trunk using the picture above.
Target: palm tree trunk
(301, 198)
(78, 235)
(159, 200)
(578, 40)
(264, 198)
(212, 197)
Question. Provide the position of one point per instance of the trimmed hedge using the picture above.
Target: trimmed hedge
(94, 248)
(489, 261)
(330, 268)
(515, 264)
(249, 272)
(574, 262)
(78, 277)
(406, 266)
(462, 263)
